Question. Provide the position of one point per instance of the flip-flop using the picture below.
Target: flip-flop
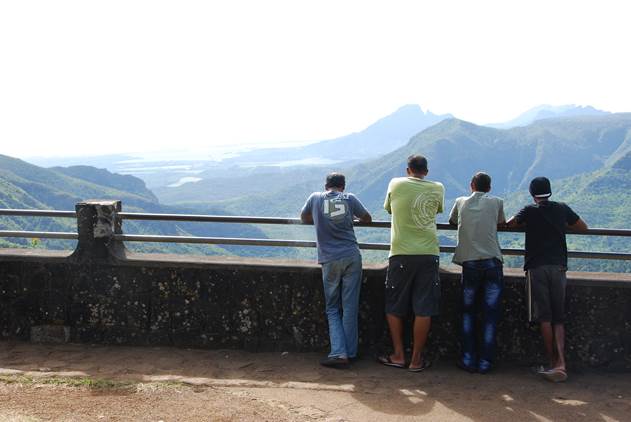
(385, 360)
(555, 375)
(426, 364)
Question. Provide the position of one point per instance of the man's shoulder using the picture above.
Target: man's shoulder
(398, 180)
(315, 196)
(437, 188)
(494, 199)
(559, 204)
(414, 184)
(460, 200)
(551, 205)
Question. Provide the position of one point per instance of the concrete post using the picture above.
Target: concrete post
(97, 223)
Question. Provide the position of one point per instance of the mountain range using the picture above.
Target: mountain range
(558, 148)
(588, 157)
(383, 136)
(578, 153)
(546, 112)
(26, 186)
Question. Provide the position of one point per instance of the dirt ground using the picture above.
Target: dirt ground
(82, 382)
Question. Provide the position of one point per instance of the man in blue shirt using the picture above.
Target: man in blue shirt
(332, 213)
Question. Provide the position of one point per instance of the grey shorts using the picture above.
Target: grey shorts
(545, 288)
(412, 282)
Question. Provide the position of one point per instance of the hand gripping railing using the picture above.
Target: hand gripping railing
(270, 242)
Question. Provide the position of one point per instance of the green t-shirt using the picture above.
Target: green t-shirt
(414, 203)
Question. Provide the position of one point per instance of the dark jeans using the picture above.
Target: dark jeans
(484, 277)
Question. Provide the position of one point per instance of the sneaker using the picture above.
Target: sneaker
(470, 369)
(335, 362)
(484, 367)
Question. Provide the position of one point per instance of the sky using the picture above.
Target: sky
(91, 78)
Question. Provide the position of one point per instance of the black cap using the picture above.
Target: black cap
(540, 187)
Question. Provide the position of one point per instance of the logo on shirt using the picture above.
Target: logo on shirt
(334, 208)
(424, 209)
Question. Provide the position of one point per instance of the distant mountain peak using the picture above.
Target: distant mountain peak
(453, 123)
(383, 136)
(547, 111)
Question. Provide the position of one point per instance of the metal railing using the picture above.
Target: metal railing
(38, 234)
(270, 242)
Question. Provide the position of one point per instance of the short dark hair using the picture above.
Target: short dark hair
(335, 180)
(417, 163)
(481, 182)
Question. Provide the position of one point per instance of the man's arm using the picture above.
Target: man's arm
(441, 205)
(579, 226)
(453, 215)
(512, 223)
(359, 210)
(306, 217)
(518, 220)
(387, 204)
(573, 221)
(501, 217)
(366, 218)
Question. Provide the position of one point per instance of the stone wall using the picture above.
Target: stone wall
(267, 306)
(104, 294)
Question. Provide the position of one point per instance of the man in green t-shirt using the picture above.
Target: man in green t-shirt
(412, 280)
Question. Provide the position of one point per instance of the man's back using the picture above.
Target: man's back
(414, 203)
(477, 217)
(546, 223)
(333, 219)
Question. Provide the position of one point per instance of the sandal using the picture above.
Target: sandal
(555, 375)
(385, 360)
(426, 364)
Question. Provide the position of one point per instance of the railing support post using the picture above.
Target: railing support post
(97, 223)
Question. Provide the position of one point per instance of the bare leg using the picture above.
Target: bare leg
(395, 324)
(559, 341)
(421, 330)
(548, 342)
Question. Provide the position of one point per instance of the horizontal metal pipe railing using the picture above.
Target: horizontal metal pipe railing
(296, 221)
(39, 235)
(267, 242)
(263, 220)
(38, 213)
(312, 244)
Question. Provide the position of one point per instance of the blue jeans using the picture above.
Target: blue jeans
(483, 277)
(342, 281)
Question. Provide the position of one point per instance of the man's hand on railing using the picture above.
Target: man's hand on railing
(579, 227)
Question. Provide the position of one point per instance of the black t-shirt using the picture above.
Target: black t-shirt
(546, 223)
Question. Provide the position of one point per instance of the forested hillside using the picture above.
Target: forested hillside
(26, 186)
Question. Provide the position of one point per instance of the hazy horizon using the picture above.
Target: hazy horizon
(122, 77)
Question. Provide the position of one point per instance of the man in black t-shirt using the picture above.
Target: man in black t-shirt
(545, 223)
